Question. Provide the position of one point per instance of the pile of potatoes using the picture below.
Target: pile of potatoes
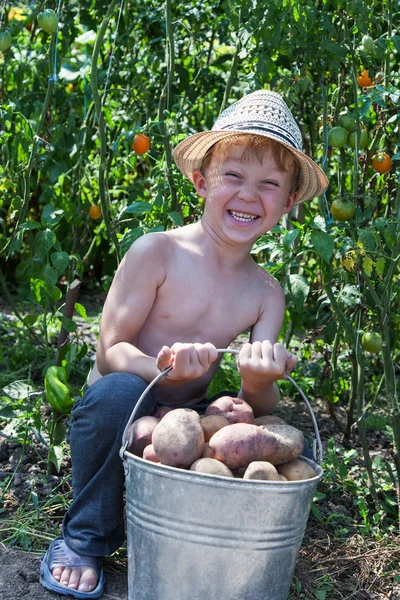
(226, 441)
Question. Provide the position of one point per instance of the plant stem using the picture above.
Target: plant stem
(103, 192)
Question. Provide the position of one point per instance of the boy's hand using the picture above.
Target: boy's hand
(189, 361)
(262, 363)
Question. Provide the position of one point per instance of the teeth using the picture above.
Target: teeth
(242, 216)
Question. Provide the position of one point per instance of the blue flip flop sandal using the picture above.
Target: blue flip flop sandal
(59, 555)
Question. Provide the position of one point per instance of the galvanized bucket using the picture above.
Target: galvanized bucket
(194, 536)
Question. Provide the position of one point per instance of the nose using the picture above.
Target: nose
(247, 193)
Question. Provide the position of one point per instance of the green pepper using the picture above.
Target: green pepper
(58, 391)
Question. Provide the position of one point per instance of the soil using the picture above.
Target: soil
(354, 567)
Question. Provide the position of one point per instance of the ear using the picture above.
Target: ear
(199, 182)
(290, 202)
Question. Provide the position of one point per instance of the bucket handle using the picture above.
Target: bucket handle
(127, 439)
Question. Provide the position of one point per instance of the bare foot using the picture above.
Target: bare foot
(83, 579)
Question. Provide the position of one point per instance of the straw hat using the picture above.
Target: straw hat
(263, 113)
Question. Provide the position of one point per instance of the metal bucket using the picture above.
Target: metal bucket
(194, 536)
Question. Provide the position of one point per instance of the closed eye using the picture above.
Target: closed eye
(231, 174)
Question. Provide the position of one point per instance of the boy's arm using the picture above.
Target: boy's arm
(263, 360)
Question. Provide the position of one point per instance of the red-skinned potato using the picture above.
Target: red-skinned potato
(149, 454)
(261, 470)
(160, 411)
(211, 424)
(211, 466)
(140, 434)
(235, 410)
(290, 442)
(239, 444)
(178, 439)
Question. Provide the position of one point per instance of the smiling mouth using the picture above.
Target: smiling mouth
(243, 217)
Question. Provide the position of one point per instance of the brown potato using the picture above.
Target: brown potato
(296, 470)
(140, 434)
(207, 451)
(282, 477)
(211, 466)
(211, 424)
(262, 470)
(290, 442)
(160, 411)
(178, 439)
(235, 410)
(149, 454)
(239, 444)
(268, 419)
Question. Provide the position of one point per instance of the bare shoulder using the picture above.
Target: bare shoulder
(269, 287)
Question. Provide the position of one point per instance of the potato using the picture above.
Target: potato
(239, 444)
(268, 419)
(140, 434)
(261, 469)
(296, 470)
(235, 410)
(290, 442)
(160, 411)
(178, 439)
(211, 424)
(282, 477)
(211, 466)
(207, 451)
(149, 454)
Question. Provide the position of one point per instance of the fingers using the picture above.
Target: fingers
(189, 360)
(271, 360)
(164, 358)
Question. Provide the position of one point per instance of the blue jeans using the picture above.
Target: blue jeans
(94, 523)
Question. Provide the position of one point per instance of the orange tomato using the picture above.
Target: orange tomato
(364, 80)
(95, 211)
(141, 143)
(382, 163)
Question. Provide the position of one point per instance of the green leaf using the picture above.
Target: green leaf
(290, 237)
(176, 218)
(60, 261)
(31, 319)
(138, 208)
(51, 216)
(49, 276)
(29, 225)
(19, 390)
(323, 244)
(299, 289)
(44, 241)
(69, 325)
(81, 310)
(56, 456)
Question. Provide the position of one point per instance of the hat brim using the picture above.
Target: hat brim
(190, 152)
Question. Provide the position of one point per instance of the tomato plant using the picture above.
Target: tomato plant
(364, 79)
(48, 20)
(372, 342)
(337, 137)
(342, 210)
(5, 40)
(362, 142)
(141, 143)
(95, 211)
(381, 162)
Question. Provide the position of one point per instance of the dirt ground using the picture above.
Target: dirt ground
(19, 579)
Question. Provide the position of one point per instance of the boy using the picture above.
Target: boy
(176, 297)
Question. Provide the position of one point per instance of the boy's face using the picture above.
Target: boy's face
(244, 199)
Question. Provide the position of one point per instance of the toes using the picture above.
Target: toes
(64, 580)
(57, 571)
(88, 580)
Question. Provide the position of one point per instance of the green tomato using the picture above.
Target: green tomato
(5, 40)
(363, 139)
(48, 20)
(368, 43)
(337, 137)
(347, 122)
(372, 342)
(342, 210)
